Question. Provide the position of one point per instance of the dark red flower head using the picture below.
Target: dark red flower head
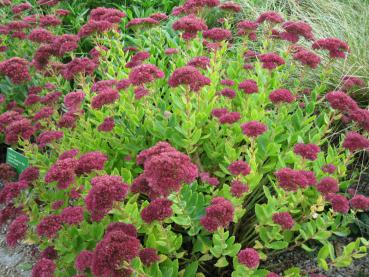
(107, 14)
(360, 202)
(7, 173)
(190, 25)
(48, 137)
(200, 62)
(270, 60)
(111, 252)
(78, 66)
(17, 230)
(84, 260)
(218, 214)
(148, 256)
(105, 97)
(19, 129)
(339, 203)
(72, 215)
(329, 168)
(144, 73)
(16, 69)
(248, 86)
(159, 209)
(230, 118)
(348, 82)
(166, 169)
(107, 125)
(294, 29)
(239, 168)
(238, 188)
(190, 76)
(105, 190)
(339, 100)
(327, 185)
(270, 16)
(62, 172)
(281, 96)
(290, 179)
(249, 257)
(49, 226)
(336, 47)
(217, 34)
(230, 7)
(73, 100)
(44, 267)
(253, 128)
(307, 151)
(41, 35)
(142, 22)
(307, 58)
(284, 219)
(354, 142)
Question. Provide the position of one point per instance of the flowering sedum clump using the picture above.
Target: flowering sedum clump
(177, 146)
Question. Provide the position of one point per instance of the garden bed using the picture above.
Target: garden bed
(190, 143)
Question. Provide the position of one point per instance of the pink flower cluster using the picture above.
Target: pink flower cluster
(144, 73)
(117, 246)
(218, 214)
(239, 168)
(217, 34)
(189, 76)
(101, 20)
(247, 28)
(248, 86)
(200, 62)
(49, 226)
(308, 151)
(72, 215)
(270, 60)
(295, 29)
(206, 178)
(253, 128)
(238, 188)
(189, 25)
(336, 47)
(104, 192)
(281, 96)
(17, 230)
(165, 170)
(284, 219)
(307, 58)
(249, 257)
(159, 209)
(62, 172)
(44, 267)
(291, 179)
(16, 69)
(48, 137)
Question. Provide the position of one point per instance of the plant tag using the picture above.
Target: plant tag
(16, 160)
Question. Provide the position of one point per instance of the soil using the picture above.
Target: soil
(2, 152)
(308, 264)
(16, 262)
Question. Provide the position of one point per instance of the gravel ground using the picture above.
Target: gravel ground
(15, 262)
(308, 264)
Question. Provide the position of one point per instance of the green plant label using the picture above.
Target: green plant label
(16, 160)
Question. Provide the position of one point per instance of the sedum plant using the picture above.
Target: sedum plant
(174, 148)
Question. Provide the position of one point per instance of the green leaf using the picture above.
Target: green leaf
(222, 262)
(277, 245)
(191, 269)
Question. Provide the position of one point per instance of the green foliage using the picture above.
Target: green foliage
(184, 119)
